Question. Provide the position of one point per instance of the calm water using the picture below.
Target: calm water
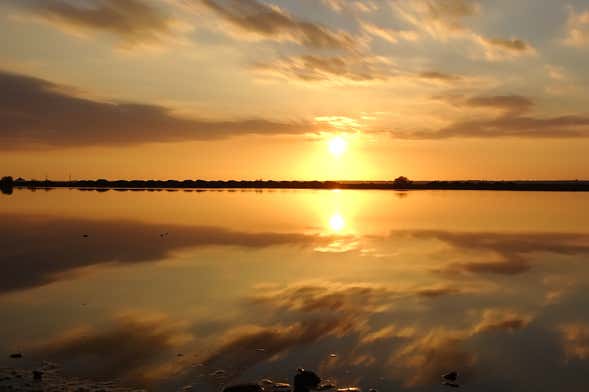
(370, 288)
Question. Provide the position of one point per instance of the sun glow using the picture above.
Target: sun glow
(337, 222)
(337, 146)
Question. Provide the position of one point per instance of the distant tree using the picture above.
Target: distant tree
(401, 182)
(6, 184)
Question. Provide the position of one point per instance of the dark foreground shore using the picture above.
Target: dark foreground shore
(545, 186)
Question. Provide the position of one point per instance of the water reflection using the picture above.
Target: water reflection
(337, 222)
(215, 302)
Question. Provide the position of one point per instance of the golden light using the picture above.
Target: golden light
(337, 222)
(337, 146)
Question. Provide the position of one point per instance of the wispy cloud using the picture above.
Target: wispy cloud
(134, 21)
(497, 49)
(347, 69)
(577, 28)
(271, 22)
(390, 35)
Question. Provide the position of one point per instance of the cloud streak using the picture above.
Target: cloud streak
(135, 21)
(37, 113)
(513, 251)
(512, 121)
(273, 23)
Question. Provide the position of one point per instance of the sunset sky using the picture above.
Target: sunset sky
(294, 89)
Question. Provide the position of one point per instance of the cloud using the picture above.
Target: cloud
(354, 6)
(571, 126)
(38, 113)
(510, 122)
(513, 250)
(239, 350)
(107, 241)
(438, 18)
(390, 35)
(575, 338)
(446, 19)
(495, 320)
(273, 23)
(346, 69)
(424, 359)
(439, 76)
(507, 103)
(577, 28)
(133, 346)
(312, 68)
(503, 49)
(510, 104)
(351, 298)
(134, 21)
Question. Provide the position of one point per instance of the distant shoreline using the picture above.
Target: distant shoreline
(544, 186)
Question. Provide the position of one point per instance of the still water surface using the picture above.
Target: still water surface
(376, 289)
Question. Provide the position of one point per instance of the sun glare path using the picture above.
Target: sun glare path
(337, 222)
(337, 146)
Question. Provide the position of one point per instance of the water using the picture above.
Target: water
(376, 289)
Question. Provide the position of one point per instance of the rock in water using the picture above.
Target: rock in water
(305, 380)
(452, 376)
(244, 388)
(450, 379)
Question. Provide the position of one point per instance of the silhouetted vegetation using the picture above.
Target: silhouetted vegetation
(400, 183)
(6, 185)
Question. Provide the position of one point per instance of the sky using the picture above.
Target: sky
(294, 89)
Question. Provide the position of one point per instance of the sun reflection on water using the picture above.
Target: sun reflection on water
(337, 222)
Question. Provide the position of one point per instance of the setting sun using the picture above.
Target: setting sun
(337, 146)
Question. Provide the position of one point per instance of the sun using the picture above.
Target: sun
(337, 146)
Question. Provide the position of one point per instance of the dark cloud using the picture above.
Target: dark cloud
(133, 20)
(439, 76)
(571, 126)
(511, 122)
(271, 22)
(513, 250)
(509, 103)
(126, 349)
(434, 292)
(38, 250)
(36, 112)
(516, 45)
